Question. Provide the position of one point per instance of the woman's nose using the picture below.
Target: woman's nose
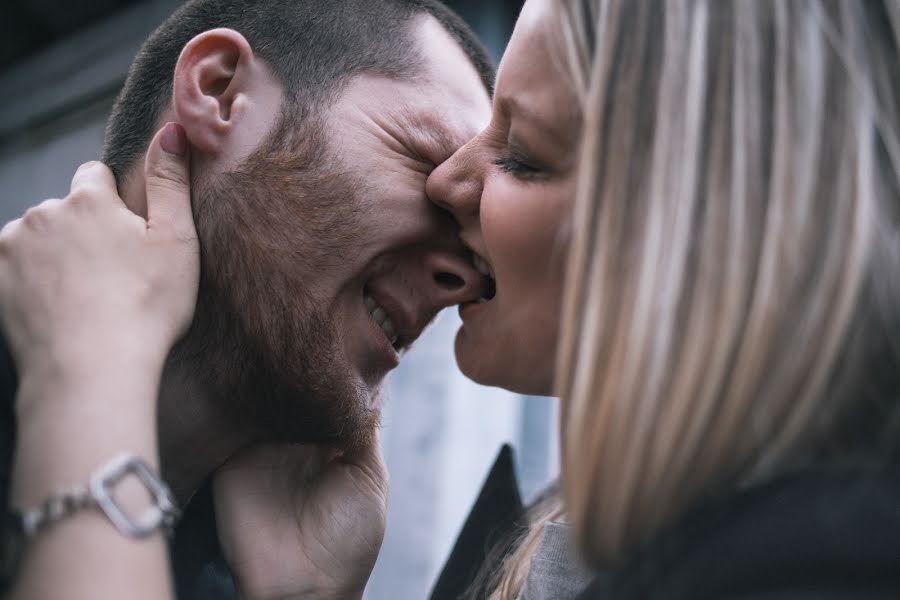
(456, 184)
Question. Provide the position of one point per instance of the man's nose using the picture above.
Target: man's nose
(451, 279)
(457, 183)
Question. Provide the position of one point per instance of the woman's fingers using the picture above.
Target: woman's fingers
(168, 183)
(93, 182)
(85, 271)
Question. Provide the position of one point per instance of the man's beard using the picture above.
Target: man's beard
(262, 345)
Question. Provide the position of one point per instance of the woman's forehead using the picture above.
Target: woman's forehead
(531, 82)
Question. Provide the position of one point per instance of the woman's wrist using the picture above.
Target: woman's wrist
(84, 373)
(72, 421)
(68, 424)
(76, 360)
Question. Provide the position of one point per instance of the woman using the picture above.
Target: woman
(730, 330)
(730, 343)
(729, 325)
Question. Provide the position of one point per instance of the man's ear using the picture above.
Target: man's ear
(213, 74)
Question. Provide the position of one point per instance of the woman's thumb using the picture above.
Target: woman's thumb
(167, 177)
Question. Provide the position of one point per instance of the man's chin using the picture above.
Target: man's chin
(343, 420)
(376, 399)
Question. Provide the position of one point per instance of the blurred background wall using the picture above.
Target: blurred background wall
(61, 64)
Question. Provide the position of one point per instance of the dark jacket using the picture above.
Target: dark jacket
(814, 535)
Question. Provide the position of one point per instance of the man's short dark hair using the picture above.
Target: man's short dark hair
(314, 47)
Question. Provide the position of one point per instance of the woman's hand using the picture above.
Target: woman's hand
(295, 522)
(92, 297)
(85, 280)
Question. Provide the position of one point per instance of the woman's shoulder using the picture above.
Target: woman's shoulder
(818, 534)
(556, 572)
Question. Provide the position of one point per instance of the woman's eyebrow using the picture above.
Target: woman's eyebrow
(537, 122)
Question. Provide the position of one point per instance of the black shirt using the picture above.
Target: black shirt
(8, 385)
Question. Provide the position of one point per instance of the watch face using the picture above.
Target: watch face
(12, 542)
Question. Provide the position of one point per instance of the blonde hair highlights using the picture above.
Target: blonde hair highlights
(735, 249)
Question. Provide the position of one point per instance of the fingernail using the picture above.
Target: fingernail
(174, 139)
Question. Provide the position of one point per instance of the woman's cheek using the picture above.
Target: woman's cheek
(506, 224)
(521, 229)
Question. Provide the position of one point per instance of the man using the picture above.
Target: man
(313, 126)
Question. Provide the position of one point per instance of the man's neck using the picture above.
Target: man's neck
(194, 437)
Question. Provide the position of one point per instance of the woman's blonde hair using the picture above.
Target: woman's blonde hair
(733, 296)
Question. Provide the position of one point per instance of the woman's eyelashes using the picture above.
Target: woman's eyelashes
(517, 167)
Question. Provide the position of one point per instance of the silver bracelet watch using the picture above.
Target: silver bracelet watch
(17, 528)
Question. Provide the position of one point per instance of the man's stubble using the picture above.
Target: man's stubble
(263, 345)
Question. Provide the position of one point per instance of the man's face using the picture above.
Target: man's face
(317, 277)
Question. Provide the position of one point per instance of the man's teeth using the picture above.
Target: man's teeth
(482, 267)
(380, 317)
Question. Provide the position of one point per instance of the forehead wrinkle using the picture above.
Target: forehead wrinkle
(429, 135)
